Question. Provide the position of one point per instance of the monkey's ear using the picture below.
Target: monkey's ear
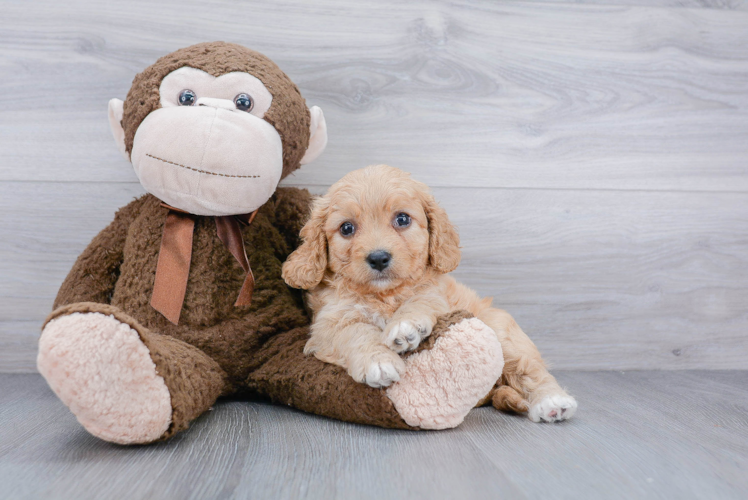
(116, 109)
(317, 135)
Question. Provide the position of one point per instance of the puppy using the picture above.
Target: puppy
(375, 257)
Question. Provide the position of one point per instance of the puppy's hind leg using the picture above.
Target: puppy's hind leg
(525, 373)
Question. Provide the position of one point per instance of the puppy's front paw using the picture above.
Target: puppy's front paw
(378, 370)
(405, 335)
(553, 408)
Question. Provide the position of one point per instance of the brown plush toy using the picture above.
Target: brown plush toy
(180, 299)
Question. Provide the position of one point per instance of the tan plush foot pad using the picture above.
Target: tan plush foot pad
(103, 372)
(442, 384)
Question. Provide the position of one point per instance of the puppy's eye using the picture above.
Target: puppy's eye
(402, 220)
(347, 229)
(187, 98)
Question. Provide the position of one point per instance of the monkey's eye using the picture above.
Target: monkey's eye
(347, 229)
(243, 102)
(187, 98)
(402, 220)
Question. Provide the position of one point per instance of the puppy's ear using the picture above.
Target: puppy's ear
(306, 266)
(444, 242)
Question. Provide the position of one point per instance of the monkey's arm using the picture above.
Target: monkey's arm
(292, 206)
(96, 270)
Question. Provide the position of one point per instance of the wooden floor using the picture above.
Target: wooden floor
(649, 434)
(594, 154)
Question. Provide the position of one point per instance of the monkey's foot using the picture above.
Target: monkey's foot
(103, 372)
(440, 385)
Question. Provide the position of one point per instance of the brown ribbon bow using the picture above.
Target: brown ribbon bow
(175, 255)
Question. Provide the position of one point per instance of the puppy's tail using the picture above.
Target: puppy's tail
(505, 398)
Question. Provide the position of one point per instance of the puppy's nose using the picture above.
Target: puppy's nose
(379, 260)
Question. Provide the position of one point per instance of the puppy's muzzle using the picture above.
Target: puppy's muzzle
(379, 260)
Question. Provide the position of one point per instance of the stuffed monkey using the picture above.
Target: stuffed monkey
(180, 300)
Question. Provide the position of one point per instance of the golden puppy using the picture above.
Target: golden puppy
(375, 257)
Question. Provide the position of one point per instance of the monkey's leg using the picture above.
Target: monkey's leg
(444, 378)
(124, 383)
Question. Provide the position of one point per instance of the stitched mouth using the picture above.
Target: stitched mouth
(203, 171)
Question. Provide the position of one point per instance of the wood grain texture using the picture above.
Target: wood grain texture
(507, 94)
(618, 280)
(593, 153)
(637, 435)
(669, 4)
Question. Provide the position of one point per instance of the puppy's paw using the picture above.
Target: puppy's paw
(405, 335)
(553, 408)
(378, 370)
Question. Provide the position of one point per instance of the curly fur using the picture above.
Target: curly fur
(363, 317)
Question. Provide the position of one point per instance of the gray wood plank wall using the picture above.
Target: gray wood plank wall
(593, 154)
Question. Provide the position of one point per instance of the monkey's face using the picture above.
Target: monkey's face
(207, 150)
(212, 144)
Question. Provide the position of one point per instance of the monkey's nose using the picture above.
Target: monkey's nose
(216, 103)
(379, 260)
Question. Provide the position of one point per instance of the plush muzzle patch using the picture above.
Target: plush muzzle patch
(208, 160)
